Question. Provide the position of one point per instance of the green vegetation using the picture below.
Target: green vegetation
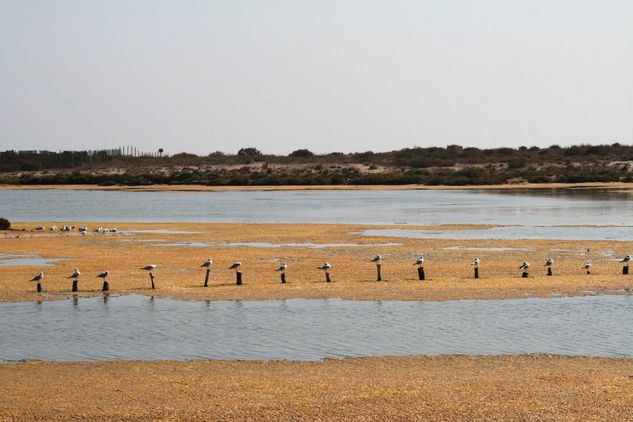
(452, 165)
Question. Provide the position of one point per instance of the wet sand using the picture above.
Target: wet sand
(447, 388)
(449, 274)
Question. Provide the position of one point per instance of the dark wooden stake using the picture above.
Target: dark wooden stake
(476, 272)
(549, 270)
(625, 269)
(379, 272)
(75, 285)
(525, 274)
(105, 287)
(283, 277)
(327, 277)
(238, 276)
(206, 278)
(39, 287)
(421, 273)
(588, 272)
(151, 277)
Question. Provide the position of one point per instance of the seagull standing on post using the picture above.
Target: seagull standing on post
(207, 263)
(38, 277)
(475, 262)
(419, 261)
(549, 262)
(325, 267)
(525, 266)
(377, 258)
(283, 267)
(235, 266)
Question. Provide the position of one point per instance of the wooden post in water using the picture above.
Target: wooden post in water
(549, 271)
(378, 272)
(105, 287)
(476, 272)
(238, 276)
(421, 273)
(283, 278)
(327, 277)
(625, 269)
(74, 285)
(151, 277)
(39, 287)
(206, 278)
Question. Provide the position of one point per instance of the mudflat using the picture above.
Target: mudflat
(179, 249)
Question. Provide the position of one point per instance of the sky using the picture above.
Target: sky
(328, 75)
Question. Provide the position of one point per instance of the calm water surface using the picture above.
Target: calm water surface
(140, 327)
(526, 207)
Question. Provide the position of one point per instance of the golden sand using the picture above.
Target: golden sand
(447, 388)
(447, 267)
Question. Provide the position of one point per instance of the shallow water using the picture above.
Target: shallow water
(140, 327)
(9, 260)
(420, 207)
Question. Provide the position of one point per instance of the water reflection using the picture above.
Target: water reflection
(135, 327)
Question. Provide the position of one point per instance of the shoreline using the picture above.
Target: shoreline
(204, 188)
(445, 387)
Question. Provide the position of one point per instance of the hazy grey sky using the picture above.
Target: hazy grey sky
(327, 75)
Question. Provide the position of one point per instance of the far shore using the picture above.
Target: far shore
(204, 188)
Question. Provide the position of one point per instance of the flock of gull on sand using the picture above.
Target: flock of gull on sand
(325, 267)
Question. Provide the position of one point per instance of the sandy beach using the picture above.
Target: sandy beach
(447, 388)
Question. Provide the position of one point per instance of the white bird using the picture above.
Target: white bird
(83, 232)
(325, 267)
(75, 274)
(40, 228)
(549, 262)
(587, 266)
(72, 227)
(52, 228)
(114, 230)
(475, 262)
(104, 274)
(525, 266)
(283, 267)
(626, 258)
(235, 265)
(149, 267)
(377, 258)
(38, 277)
(98, 229)
(207, 263)
(419, 261)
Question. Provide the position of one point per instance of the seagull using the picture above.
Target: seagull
(419, 261)
(235, 265)
(475, 262)
(98, 229)
(377, 258)
(283, 267)
(149, 267)
(325, 267)
(587, 266)
(75, 274)
(525, 266)
(38, 277)
(549, 262)
(207, 263)
(626, 259)
(104, 274)
(52, 228)
(40, 228)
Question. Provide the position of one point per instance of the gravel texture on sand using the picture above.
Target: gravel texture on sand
(439, 388)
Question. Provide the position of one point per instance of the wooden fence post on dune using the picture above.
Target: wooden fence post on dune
(525, 274)
(378, 272)
(238, 278)
(327, 277)
(476, 272)
(625, 269)
(421, 273)
(39, 287)
(206, 278)
(74, 289)
(283, 278)
(151, 277)
(549, 271)
(105, 287)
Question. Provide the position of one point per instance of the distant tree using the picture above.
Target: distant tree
(301, 153)
(249, 151)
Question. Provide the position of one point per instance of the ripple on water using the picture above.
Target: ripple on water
(147, 328)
